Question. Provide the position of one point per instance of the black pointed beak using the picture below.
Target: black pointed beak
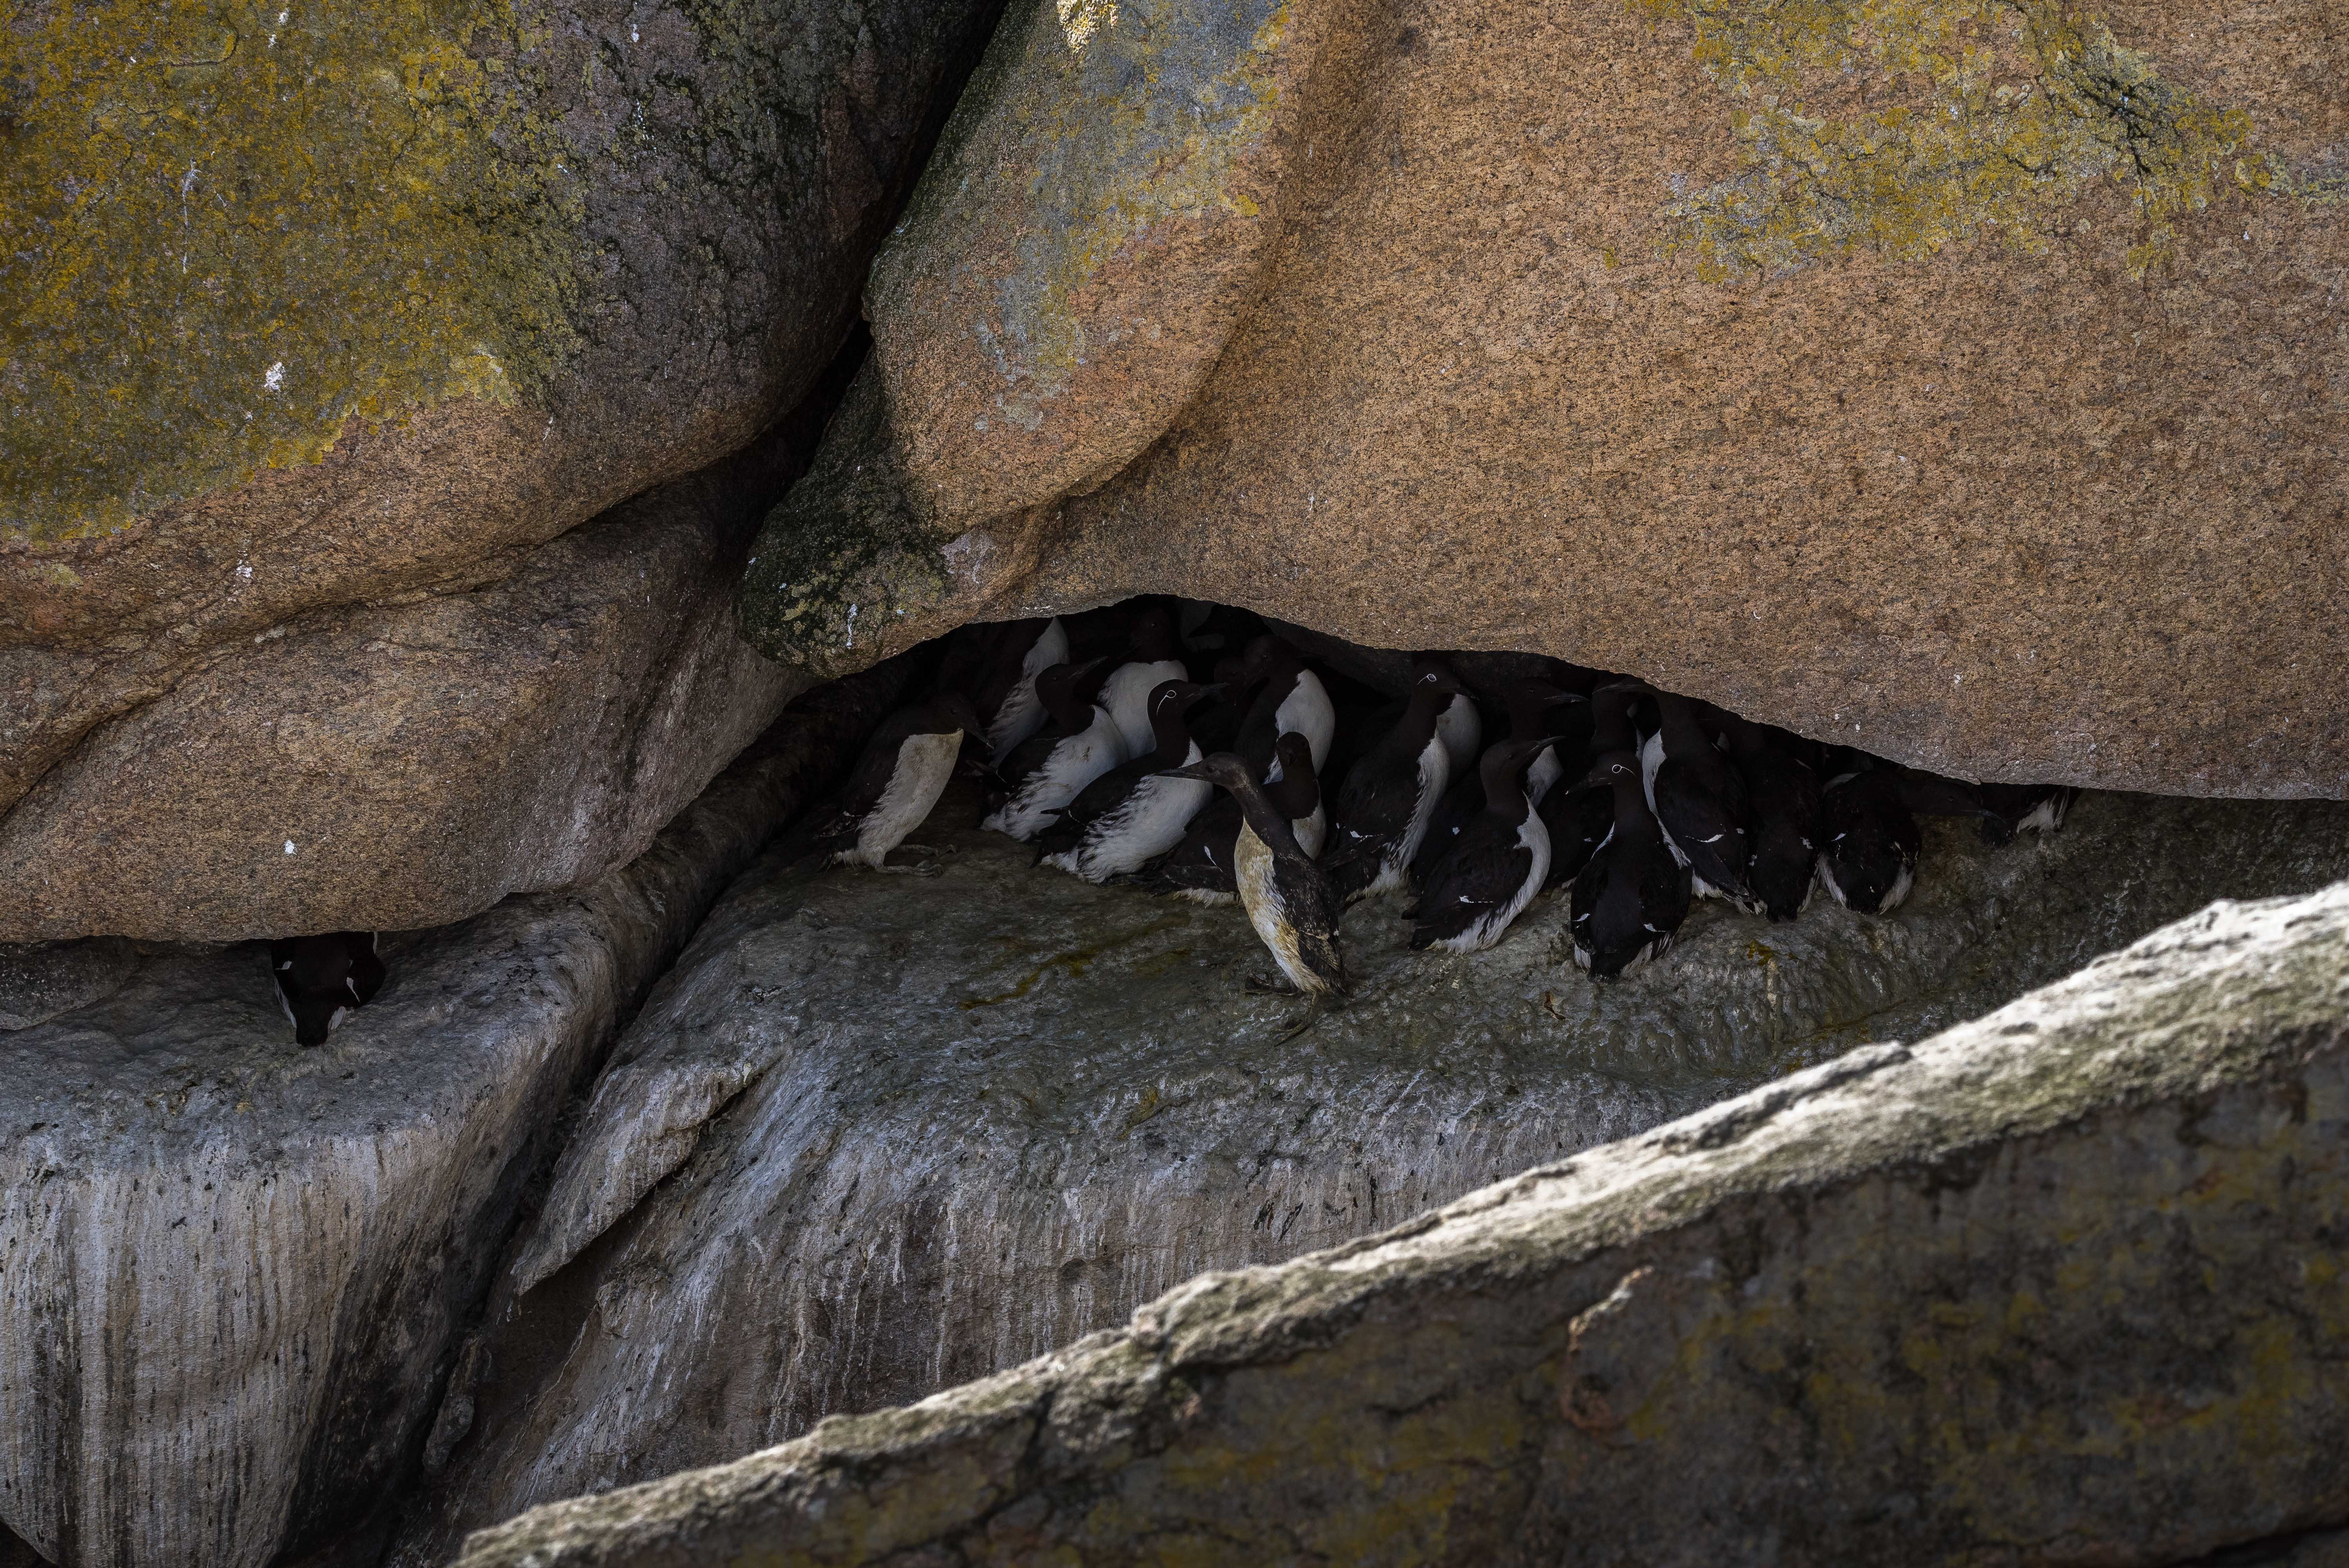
(1195, 771)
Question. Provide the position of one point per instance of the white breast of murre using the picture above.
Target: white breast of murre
(1260, 896)
(1126, 694)
(925, 763)
(1022, 714)
(1307, 710)
(1075, 762)
(1311, 832)
(1462, 730)
(1434, 779)
(1545, 771)
(1148, 822)
(1533, 838)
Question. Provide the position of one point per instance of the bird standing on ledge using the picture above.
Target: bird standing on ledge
(1289, 901)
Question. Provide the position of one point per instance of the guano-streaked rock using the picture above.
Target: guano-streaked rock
(873, 1137)
(2056, 1283)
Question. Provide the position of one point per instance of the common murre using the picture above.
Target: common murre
(1498, 862)
(1200, 868)
(1629, 901)
(1152, 658)
(1290, 698)
(1782, 798)
(1046, 771)
(1289, 900)
(1382, 809)
(1137, 812)
(321, 980)
(897, 778)
(1007, 696)
(1699, 797)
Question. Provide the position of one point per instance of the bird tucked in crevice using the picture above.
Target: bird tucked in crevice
(1699, 797)
(1152, 658)
(1137, 812)
(1007, 699)
(1383, 808)
(1628, 902)
(1497, 864)
(1046, 771)
(321, 980)
(898, 780)
(1782, 797)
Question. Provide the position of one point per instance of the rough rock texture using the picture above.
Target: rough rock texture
(232, 1269)
(308, 311)
(871, 1136)
(2059, 1284)
(408, 764)
(41, 980)
(1964, 381)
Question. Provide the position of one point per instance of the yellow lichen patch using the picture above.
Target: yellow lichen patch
(227, 230)
(1902, 125)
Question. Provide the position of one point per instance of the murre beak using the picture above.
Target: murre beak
(1198, 770)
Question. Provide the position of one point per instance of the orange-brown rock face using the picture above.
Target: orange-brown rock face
(1967, 382)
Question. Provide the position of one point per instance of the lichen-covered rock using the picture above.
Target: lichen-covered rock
(315, 308)
(871, 1137)
(232, 1269)
(2058, 1285)
(1963, 382)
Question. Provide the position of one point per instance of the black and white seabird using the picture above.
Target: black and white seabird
(1200, 868)
(1461, 727)
(1580, 821)
(1867, 854)
(1134, 813)
(1046, 770)
(897, 778)
(1383, 808)
(1290, 698)
(1288, 899)
(1528, 703)
(1782, 798)
(1007, 697)
(1698, 797)
(322, 979)
(1152, 658)
(1628, 902)
(1498, 863)
(2024, 807)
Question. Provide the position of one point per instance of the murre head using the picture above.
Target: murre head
(1610, 768)
(1429, 674)
(1151, 638)
(954, 711)
(1179, 696)
(1267, 656)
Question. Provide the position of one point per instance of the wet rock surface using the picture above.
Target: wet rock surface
(876, 1135)
(2046, 1286)
(234, 1270)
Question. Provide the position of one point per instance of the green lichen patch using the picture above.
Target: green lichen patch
(847, 551)
(1902, 125)
(227, 230)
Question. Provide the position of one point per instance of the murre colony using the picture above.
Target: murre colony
(1187, 750)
